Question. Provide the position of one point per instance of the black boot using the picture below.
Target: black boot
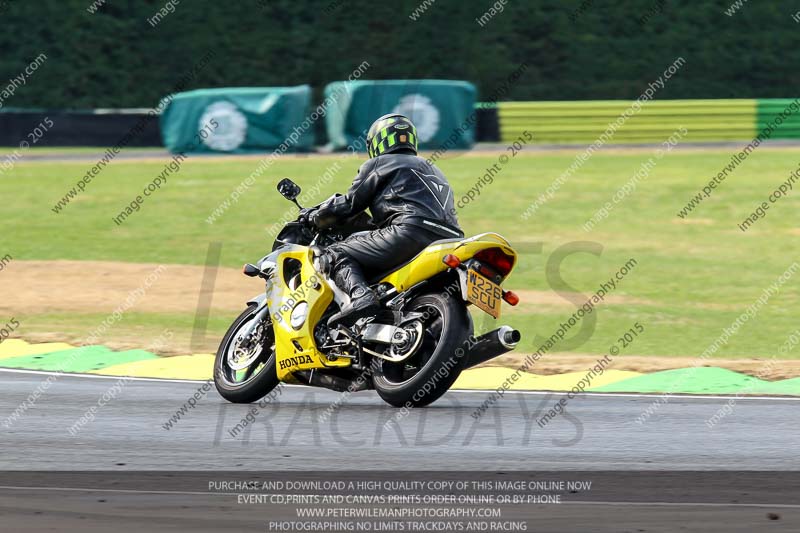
(350, 278)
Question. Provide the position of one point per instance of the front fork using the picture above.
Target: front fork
(262, 310)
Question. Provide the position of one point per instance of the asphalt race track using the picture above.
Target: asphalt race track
(300, 431)
(600, 432)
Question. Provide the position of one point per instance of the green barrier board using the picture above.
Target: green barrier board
(782, 114)
(442, 111)
(238, 120)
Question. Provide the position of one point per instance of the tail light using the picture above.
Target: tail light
(497, 259)
(488, 272)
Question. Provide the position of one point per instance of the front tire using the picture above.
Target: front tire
(427, 374)
(244, 370)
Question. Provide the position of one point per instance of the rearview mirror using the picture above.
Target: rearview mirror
(288, 189)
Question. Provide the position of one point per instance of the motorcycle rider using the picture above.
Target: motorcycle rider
(410, 201)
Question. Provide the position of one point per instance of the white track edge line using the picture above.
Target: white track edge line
(537, 393)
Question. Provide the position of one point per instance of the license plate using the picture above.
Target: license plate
(484, 293)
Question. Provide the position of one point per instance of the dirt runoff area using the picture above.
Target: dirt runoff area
(69, 289)
(99, 287)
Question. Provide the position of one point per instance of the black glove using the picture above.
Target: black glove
(330, 212)
(323, 219)
(306, 213)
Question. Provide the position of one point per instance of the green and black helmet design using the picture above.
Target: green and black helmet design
(391, 133)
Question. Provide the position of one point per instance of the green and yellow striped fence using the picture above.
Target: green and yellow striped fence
(706, 120)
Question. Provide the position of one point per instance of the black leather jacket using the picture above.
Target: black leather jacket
(397, 189)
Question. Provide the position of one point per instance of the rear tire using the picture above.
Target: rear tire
(263, 378)
(438, 361)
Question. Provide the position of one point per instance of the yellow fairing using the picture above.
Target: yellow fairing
(429, 262)
(296, 349)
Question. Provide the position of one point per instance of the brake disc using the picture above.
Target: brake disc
(245, 350)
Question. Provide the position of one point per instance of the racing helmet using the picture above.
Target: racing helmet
(391, 133)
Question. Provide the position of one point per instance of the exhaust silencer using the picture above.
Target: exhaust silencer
(490, 345)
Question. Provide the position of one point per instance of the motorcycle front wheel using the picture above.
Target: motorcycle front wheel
(244, 368)
(437, 359)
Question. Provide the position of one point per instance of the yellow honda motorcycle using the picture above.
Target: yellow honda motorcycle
(410, 352)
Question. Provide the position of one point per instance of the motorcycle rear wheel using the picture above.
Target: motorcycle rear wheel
(427, 374)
